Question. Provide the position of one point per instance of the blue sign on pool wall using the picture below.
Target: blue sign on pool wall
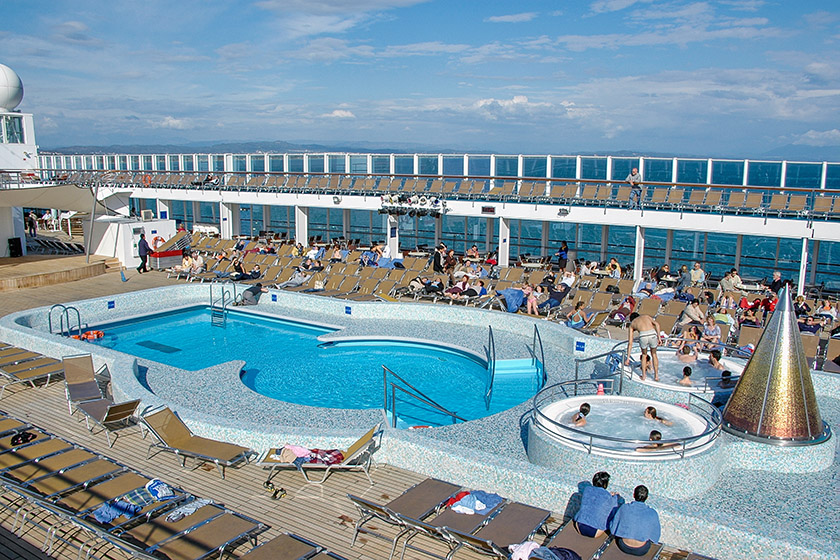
(273, 297)
(111, 304)
(347, 310)
(580, 346)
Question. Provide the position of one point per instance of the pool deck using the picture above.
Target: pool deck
(746, 502)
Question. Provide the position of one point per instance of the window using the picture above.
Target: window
(315, 163)
(381, 165)
(507, 166)
(659, 170)
(534, 167)
(337, 164)
(203, 163)
(258, 163)
(453, 165)
(621, 168)
(803, 175)
(428, 165)
(593, 168)
(564, 167)
(765, 174)
(239, 163)
(692, 171)
(13, 126)
(728, 172)
(174, 163)
(275, 164)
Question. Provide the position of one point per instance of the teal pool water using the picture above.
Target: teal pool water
(286, 361)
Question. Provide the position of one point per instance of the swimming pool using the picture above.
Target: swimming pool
(287, 361)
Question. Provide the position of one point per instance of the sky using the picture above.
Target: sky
(726, 77)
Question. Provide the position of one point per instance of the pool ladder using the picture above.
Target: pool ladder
(218, 307)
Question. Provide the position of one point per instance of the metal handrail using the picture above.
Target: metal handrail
(615, 350)
(65, 312)
(51, 174)
(538, 339)
(415, 393)
(679, 446)
(491, 367)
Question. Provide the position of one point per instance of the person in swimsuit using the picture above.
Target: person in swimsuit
(648, 330)
(579, 419)
(578, 318)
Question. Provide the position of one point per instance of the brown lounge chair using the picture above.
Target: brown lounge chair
(109, 415)
(290, 547)
(614, 553)
(80, 384)
(173, 435)
(417, 503)
(357, 457)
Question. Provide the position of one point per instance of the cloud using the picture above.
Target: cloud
(423, 49)
(171, 122)
(513, 18)
(75, 33)
(606, 6)
(340, 114)
(331, 49)
(817, 138)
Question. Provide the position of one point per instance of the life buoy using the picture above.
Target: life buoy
(147, 180)
(93, 335)
(157, 242)
(76, 336)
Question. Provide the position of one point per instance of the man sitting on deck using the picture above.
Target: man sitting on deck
(636, 525)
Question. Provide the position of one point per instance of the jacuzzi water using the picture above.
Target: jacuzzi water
(621, 418)
(285, 360)
(671, 368)
(626, 420)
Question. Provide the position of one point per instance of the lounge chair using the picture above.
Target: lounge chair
(416, 503)
(289, 547)
(110, 416)
(614, 553)
(173, 435)
(21, 374)
(209, 529)
(568, 537)
(80, 383)
(356, 457)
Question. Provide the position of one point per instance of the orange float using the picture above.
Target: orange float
(157, 242)
(93, 335)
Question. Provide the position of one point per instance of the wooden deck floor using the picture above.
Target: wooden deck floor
(320, 513)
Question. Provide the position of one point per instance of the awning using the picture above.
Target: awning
(62, 197)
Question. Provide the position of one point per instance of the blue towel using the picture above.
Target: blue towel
(107, 512)
(489, 500)
(513, 298)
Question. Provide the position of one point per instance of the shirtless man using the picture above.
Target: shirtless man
(648, 330)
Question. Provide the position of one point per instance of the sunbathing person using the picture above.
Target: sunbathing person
(476, 290)
(578, 318)
(655, 437)
(197, 264)
(461, 286)
(711, 333)
(297, 279)
(186, 264)
(650, 414)
(686, 378)
(596, 507)
(579, 419)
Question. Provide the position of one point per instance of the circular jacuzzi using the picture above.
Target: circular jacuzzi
(616, 439)
(705, 378)
(617, 426)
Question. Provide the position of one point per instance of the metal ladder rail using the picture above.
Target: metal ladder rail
(412, 392)
(218, 307)
(65, 315)
(491, 367)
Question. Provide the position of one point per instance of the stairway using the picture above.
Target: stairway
(515, 381)
(218, 316)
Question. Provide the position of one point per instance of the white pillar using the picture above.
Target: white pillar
(438, 230)
(639, 255)
(504, 241)
(196, 212)
(669, 246)
(162, 210)
(393, 235)
(803, 267)
(345, 223)
(229, 216)
(814, 262)
(302, 224)
(266, 211)
(544, 239)
(739, 243)
(605, 237)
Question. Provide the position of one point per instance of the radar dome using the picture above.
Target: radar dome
(11, 89)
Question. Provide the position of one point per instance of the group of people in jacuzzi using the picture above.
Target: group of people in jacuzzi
(655, 437)
(634, 525)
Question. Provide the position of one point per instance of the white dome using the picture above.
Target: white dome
(11, 88)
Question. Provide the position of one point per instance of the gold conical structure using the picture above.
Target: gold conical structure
(774, 401)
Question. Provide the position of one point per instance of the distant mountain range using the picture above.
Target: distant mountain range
(794, 152)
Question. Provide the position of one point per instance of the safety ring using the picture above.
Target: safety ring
(157, 242)
(76, 336)
(147, 180)
(93, 335)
